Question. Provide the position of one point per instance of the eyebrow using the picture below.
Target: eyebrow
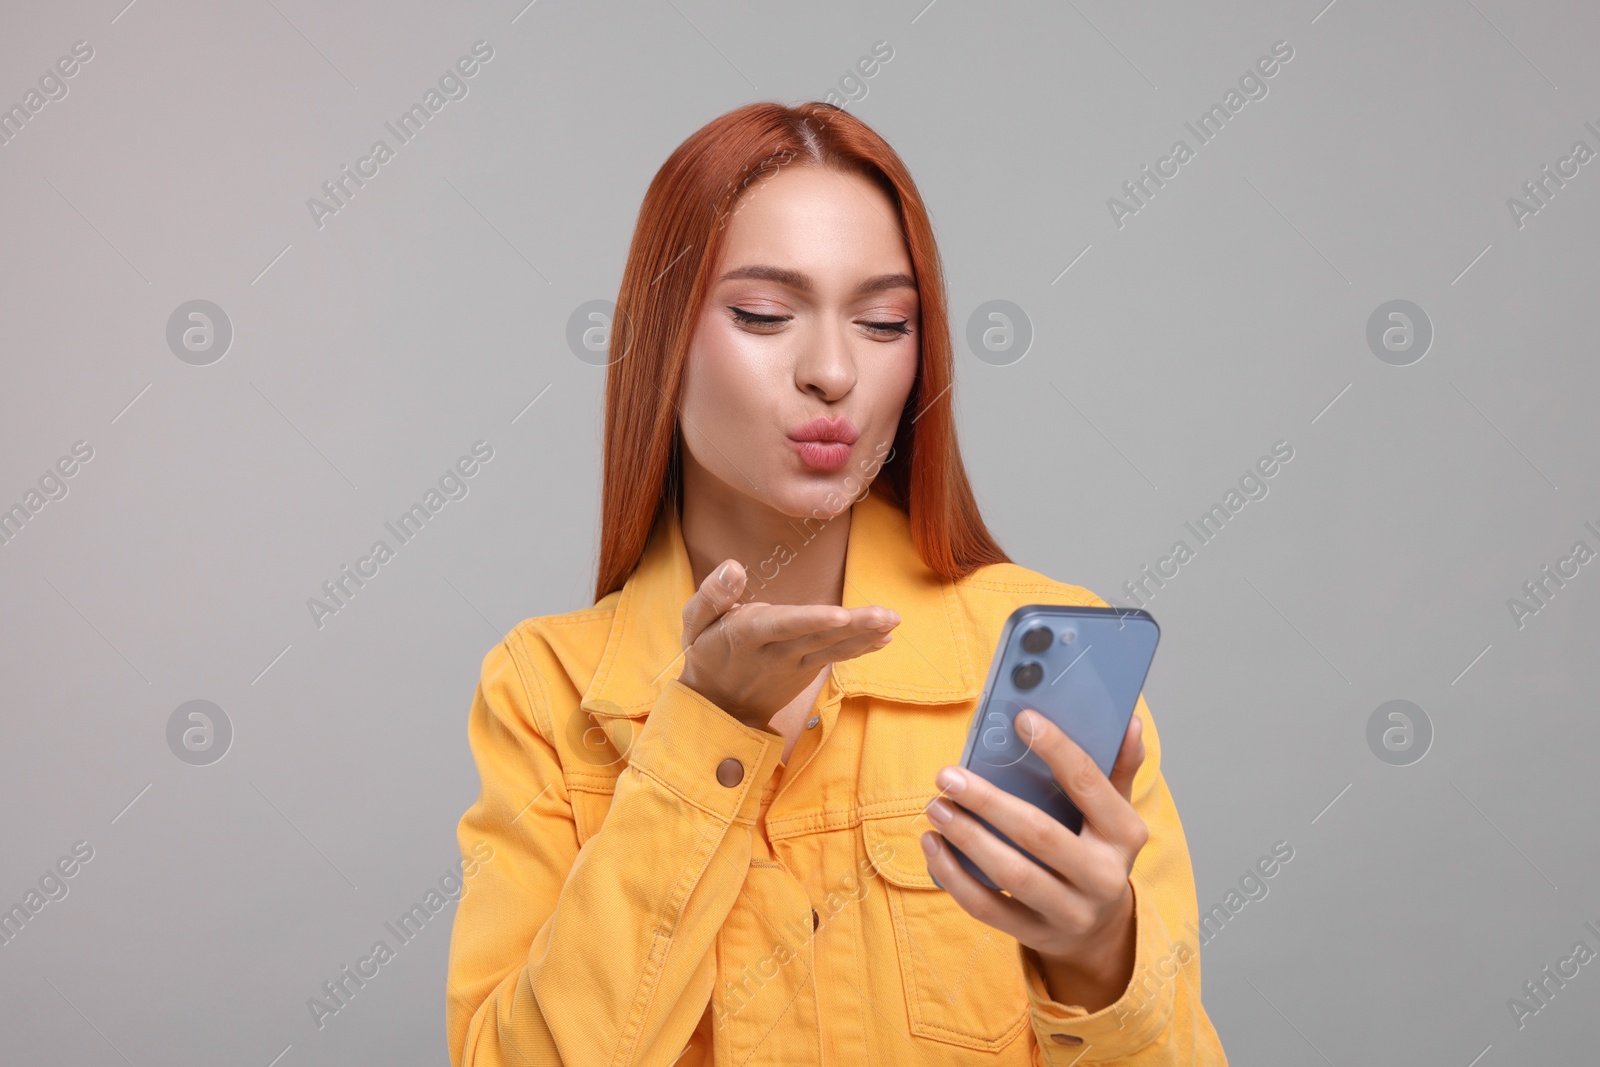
(795, 279)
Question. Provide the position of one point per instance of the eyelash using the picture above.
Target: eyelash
(750, 318)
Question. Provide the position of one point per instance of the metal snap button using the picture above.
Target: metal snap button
(730, 772)
(1066, 1039)
(812, 722)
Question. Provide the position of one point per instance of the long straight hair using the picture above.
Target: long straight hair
(675, 246)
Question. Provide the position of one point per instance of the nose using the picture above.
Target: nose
(826, 367)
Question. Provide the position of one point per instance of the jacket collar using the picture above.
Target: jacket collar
(928, 662)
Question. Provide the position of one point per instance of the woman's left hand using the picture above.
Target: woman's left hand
(1078, 915)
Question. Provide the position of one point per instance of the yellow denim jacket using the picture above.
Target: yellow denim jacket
(645, 882)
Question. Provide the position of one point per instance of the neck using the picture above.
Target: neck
(786, 560)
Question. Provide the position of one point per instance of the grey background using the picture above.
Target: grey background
(370, 354)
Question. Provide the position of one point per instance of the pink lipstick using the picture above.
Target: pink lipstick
(824, 444)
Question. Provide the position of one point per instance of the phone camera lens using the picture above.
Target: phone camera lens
(1027, 675)
(1036, 640)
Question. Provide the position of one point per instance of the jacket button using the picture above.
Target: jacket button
(816, 920)
(1066, 1039)
(811, 723)
(730, 772)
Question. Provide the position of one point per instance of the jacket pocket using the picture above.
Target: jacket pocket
(962, 978)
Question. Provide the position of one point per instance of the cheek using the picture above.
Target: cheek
(890, 380)
(727, 385)
(718, 368)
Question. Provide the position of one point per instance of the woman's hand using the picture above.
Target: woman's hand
(1078, 915)
(752, 659)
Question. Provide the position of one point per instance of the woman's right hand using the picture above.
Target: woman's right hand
(752, 659)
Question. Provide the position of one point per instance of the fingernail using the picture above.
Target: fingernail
(930, 844)
(940, 812)
(725, 575)
(950, 780)
(1026, 725)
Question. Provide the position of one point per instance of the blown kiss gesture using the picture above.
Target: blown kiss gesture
(1077, 916)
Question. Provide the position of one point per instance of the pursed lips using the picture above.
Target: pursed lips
(824, 444)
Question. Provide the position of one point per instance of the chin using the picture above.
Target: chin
(819, 496)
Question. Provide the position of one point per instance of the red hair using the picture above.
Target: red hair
(674, 249)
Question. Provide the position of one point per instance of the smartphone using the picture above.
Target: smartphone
(1080, 667)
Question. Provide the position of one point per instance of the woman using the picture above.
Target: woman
(705, 832)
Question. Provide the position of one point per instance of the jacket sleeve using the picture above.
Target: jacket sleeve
(604, 954)
(1159, 1020)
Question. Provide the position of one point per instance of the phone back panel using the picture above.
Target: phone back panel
(1089, 676)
